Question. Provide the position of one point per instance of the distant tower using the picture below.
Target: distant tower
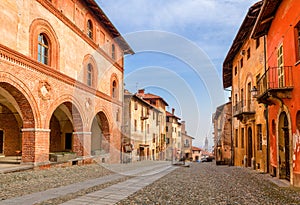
(206, 144)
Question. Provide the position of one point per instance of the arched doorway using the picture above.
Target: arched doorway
(250, 152)
(283, 147)
(64, 122)
(15, 115)
(100, 135)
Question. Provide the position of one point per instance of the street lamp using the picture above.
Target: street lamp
(254, 92)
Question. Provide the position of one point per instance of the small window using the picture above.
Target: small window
(236, 138)
(242, 62)
(89, 74)
(113, 52)
(142, 126)
(135, 125)
(243, 138)
(43, 49)
(148, 128)
(89, 29)
(135, 105)
(248, 53)
(259, 137)
(235, 70)
(118, 115)
(114, 89)
(257, 42)
(298, 42)
(257, 79)
(167, 129)
(167, 140)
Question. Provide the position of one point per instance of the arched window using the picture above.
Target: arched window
(43, 49)
(114, 89)
(89, 74)
(113, 52)
(90, 29)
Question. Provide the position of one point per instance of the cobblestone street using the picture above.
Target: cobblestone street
(146, 183)
(206, 183)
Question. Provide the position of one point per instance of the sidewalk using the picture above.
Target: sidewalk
(144, 173)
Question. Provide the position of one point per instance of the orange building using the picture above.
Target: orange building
(279, 87)
(61, 81)
(242, 67)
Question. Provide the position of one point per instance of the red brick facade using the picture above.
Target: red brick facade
(50, 106)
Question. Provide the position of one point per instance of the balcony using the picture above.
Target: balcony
(244, 110)
(276, 83)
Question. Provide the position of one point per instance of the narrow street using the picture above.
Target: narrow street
(148, 183)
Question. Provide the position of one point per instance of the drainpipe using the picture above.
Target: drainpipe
(267, 110)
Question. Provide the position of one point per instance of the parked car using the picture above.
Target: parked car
(206, 158)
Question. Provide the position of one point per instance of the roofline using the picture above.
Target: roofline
(143, 101)
(238, 42)
(158, 97)
(93, 5)
(263, 20)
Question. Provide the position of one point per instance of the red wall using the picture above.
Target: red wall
(282, 31)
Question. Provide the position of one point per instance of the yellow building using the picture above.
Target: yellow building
(242, 68)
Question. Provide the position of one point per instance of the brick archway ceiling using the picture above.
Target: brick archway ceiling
(104, 126)
(76, 117)
(24, 106)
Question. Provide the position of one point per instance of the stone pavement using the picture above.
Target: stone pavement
(117, 192)
(145, 173)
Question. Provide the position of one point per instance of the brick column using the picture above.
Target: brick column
(35, 145)
(82, 143)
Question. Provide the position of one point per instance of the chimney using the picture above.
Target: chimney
(173, 111)
(141, 91)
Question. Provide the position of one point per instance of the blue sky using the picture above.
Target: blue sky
(180, 46)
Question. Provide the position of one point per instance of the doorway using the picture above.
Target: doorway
(68, 141)
(1, 141)
(250, 154)
(284, 147)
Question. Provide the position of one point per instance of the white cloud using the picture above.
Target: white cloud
(135, 15)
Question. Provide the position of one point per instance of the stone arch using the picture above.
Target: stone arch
(37, 27)
(284, 150)
(22, 95)
(61, 100)
(284, 144)
(100, 134)
(19, 124)
(66, 129)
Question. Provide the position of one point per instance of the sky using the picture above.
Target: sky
(179, 46)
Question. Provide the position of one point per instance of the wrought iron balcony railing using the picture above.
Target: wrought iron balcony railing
(244, 107)
(275, 79)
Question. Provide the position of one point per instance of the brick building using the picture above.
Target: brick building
(61, 80)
